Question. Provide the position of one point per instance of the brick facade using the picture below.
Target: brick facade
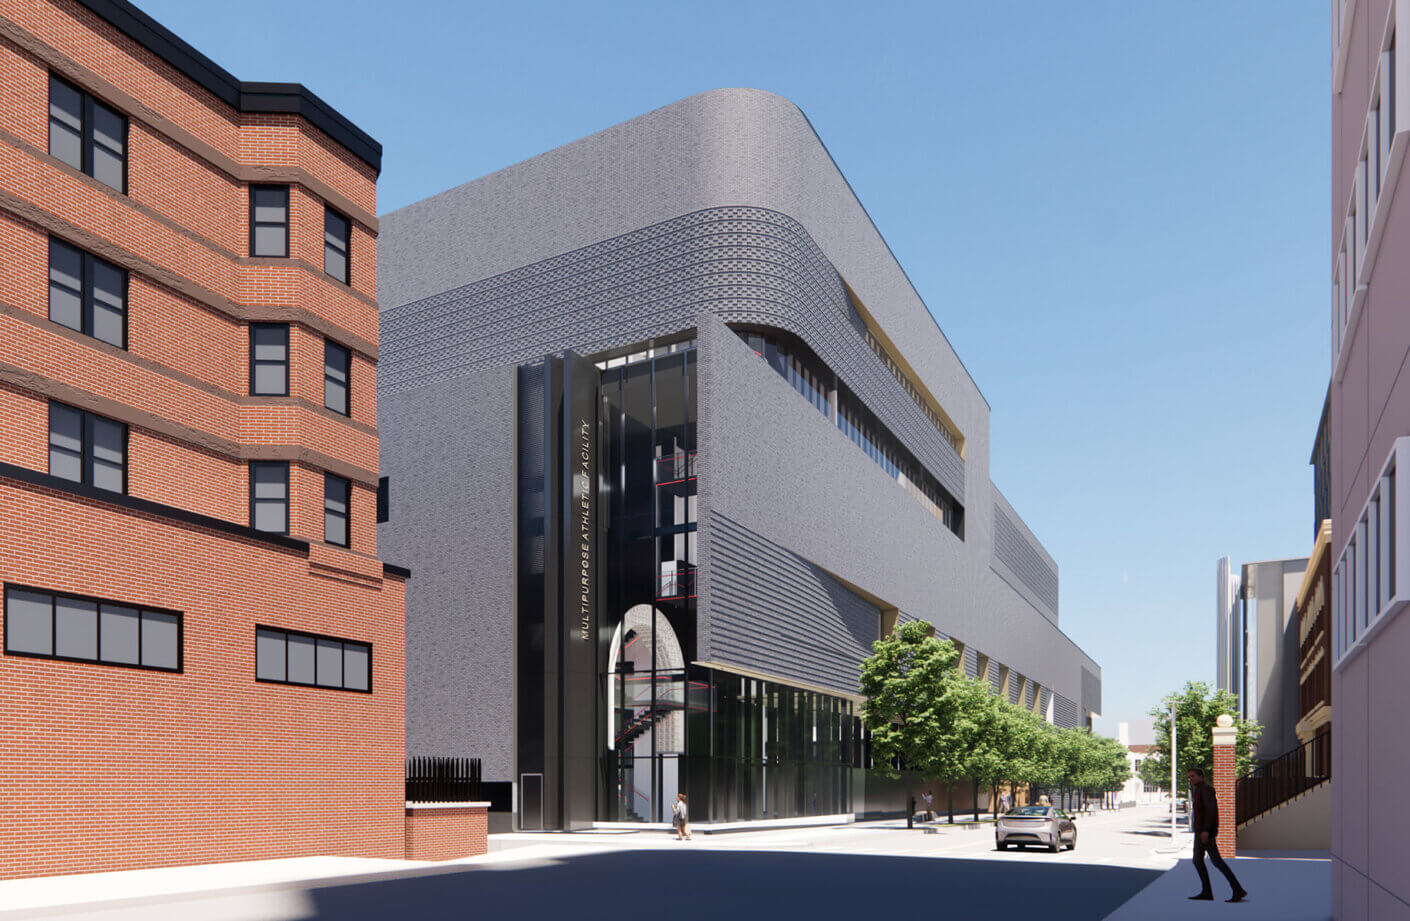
(446, 832)
(109, 767)
(1225, 782)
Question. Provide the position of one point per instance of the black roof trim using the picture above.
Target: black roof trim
(394, 570)
(276, 98)
(36, 478)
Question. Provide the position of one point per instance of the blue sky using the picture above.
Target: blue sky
(1117, 212)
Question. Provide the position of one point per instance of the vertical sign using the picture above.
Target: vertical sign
(579, 592)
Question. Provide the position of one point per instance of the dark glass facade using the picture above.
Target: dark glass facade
(740, 748)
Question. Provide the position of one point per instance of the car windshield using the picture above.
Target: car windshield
(1029, 810)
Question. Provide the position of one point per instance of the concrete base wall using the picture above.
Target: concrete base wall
(1304, 824)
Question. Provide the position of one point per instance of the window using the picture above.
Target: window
(336, 493)
(87, 448)
(87, 135)
(57, 625)
(292, 657)
(384, 499)
(269, 220)
(269, 497)
(337, 367)
(336, 230)
(87, 294)
(269, 359)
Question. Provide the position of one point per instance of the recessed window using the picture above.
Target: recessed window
(384, 499)
(293, 657)
(269, 220)
(87, 448)
(87, 294)
(336, 235)
(87, 135)
(269, 359)
(337, 368)
(269, 497)
(336, 493)
(58, 625)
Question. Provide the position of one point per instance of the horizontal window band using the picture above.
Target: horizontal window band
(105, 249)
(158, 124)
(121, 412)
(148, 507)
(239, 399)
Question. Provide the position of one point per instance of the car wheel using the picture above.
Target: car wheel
(1003, 845)
(1072, 845)
(1055, 846)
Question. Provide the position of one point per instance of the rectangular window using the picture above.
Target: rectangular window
(336, 238)
(87, 135)
(293, 657)
(337, 370)
(269, 359)
(336, 494)
(87, 294)
(269, 220)
(269, 497)
(58, 625)
(87, 448)
(384, 499)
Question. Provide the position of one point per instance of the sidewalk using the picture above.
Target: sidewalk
(1281, 887)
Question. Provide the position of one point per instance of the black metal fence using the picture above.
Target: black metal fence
(1275, 782)
(443, 780)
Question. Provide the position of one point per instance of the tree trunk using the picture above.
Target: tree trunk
(950, 801)
(974, 792)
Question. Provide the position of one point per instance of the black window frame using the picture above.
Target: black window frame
(254, 327)
(288, 499)
(346, 248)
(330, 479)
(86, 138)
(87, 293)
(287, 225)
(266, 628)
(98, 641)
(329, 346)
(86, 457)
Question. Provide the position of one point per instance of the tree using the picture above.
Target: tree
(1196, 709)
(913, 696)
(982, 733)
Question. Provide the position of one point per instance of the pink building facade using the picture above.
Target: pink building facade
(1369, 407)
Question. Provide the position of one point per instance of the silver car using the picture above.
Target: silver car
(1045, 825)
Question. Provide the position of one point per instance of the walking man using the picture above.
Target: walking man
(1204, 822)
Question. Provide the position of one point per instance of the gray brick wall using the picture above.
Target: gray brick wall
(744, 265)
(448, 449)
(1022, 560)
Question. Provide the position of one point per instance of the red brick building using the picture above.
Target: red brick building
(203, 655)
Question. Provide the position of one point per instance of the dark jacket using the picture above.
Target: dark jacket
(1204, 809)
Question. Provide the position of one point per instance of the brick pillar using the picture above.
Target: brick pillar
(1223, 779)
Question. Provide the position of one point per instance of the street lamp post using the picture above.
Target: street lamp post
(1173, 788)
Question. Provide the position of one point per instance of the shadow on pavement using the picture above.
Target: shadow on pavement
(735, 885)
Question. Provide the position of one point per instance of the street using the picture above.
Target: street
(847, 871)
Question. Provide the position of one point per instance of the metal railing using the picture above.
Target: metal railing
(1275, 782)
(443, 780)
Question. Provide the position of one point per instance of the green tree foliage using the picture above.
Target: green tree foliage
(932, 721)
(1196, 709)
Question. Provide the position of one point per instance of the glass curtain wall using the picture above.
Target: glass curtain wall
(649, 412)
(740, 748)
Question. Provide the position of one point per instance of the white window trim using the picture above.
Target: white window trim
(1354, 623)
(1365, 217)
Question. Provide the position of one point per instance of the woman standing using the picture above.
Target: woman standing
(680, 817)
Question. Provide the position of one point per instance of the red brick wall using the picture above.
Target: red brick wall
(1224, 789)
(445, 833)
(105, 767)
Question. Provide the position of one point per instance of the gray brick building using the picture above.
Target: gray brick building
(670, 439)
